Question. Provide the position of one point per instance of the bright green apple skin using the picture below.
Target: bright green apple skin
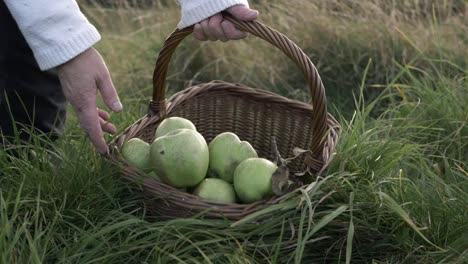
(252, 179)
(227, 151)
(137, 154)
(180, 158)
(173, 123)
(216, 190)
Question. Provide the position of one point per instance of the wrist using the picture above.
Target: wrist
(80, 56)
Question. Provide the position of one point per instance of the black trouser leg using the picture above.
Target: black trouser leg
(29, 98)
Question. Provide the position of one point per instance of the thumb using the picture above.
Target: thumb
(108, 92)
(243, 13)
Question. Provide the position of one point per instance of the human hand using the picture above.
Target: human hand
(81, 78)
(216, 28)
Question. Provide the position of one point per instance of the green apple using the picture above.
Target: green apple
(227, 151)
(216, 190)
(252, 179)
(156, 177)
(137, 154)
(173, 123)
(180, 158)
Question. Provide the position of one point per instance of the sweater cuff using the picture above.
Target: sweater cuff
(194, 13)
(62, 52)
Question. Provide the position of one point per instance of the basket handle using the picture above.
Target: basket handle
(317, 90)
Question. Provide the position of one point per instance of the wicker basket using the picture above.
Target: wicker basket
(254, 115)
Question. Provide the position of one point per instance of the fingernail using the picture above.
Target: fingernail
(253, 13)
(104, 151)
(117, 106)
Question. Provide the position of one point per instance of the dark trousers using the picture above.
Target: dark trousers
(30, 99)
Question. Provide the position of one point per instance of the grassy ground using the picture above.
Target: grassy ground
(396, 192)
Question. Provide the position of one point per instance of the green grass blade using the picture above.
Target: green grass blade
(349, 239)
(404, 215)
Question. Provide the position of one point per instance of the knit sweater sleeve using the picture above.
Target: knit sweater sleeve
(59, 32)
(194, 11)
(56, 31)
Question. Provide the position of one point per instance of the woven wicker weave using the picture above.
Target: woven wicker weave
(254, 115)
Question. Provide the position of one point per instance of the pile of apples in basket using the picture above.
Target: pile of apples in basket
(226, 170)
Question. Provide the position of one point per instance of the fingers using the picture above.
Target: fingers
(91, 123)
(216, 28)
(213, 29)
(198, 33)
(107, 89)
(103, 114)
(232, 32)
(243, 13)
(206, 30)
(94, 122)
(107, 127)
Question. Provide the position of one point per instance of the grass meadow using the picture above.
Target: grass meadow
(396, 77)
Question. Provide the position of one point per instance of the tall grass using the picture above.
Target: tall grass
(396, 192)
(339, 37)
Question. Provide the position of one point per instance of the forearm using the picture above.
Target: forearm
(56, 33)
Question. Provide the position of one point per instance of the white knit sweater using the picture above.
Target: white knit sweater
(57, 31)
